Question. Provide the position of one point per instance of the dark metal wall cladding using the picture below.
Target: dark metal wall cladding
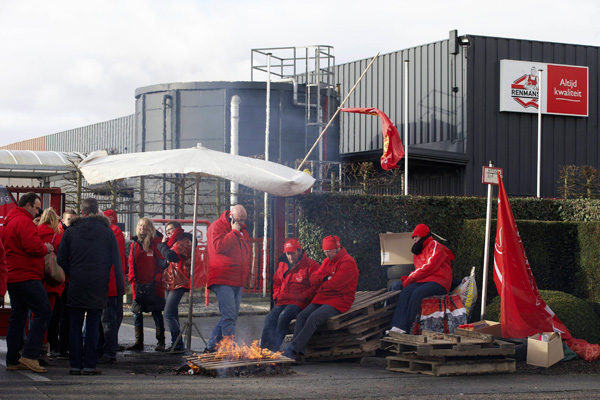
(510, 139)
(435, 109)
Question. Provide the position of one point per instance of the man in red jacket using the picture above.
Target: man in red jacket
(112, 315)
(25, 255)
(228, 266)
(335, 282)
(292, 292)
(432, 277)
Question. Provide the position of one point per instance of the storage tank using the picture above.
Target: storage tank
(180, 115)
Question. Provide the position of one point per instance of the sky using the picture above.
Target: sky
(65, 64)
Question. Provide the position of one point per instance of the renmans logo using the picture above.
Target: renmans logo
(525, 91)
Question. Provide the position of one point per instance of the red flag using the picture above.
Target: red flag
(393, 151)
(523, 312)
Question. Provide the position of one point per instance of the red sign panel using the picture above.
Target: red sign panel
(567, 90)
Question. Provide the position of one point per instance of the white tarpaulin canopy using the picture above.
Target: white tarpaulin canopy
(270, 177)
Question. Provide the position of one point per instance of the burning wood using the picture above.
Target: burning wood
(232, 358)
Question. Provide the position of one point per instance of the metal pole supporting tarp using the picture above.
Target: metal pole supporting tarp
(406, 127)
(486, 248)
(266, 196)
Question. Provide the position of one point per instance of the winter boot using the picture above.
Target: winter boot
(160, 336)
(139, 339)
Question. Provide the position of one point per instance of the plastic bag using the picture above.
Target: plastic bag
(467, 291)
(440, 314)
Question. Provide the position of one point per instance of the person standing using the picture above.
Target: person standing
(48, 232)
(292, 292)
(176, 248)
(87, 253)
(228, 266)
(65, 222)
(335, 282)
(144, 268)
(25, 253)
(432, 277)
(112, 315)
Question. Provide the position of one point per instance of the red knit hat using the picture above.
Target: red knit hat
(421, 230)
(331, 242)
(291, 246)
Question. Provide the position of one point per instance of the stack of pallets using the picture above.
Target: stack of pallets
(357, 332)
(433, 353)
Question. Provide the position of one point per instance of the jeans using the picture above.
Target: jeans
(112, 316)
(25, 296)
(172, 314)
(277, 325)
(409, 302)
(138, 320)
(307, 323)
(83, 355)
(229, 298)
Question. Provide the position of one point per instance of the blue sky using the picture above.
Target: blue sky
(71, 63)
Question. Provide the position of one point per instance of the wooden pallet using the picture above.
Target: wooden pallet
(441, 345)
(356, 349)
(214, 361)
(443, 367)
(364, 308)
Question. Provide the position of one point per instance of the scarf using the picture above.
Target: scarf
(418, 247)
(175, 236)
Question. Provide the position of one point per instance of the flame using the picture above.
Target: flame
(229, 350)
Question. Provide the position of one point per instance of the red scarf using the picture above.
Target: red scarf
(175, 236)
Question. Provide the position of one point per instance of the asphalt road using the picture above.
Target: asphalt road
(151, 375)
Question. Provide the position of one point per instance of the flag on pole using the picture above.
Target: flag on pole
(393, 151)
(523, 312)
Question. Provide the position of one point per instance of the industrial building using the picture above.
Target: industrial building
(471, 99)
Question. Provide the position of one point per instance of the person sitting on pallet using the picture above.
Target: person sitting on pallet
(292, 292)
(335, 282)
(432, 277)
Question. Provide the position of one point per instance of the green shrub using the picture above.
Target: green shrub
(578, 315)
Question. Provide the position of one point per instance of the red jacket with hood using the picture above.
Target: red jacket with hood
(228, 253)
(46, 234)
(432, 264)
(339, 289)
(112, 285)
(25, 250)
(292, 285)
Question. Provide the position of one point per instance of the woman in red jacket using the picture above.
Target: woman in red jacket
(49, 233)
(432, 277)
(144, 268)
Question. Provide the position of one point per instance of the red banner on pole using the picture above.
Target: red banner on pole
(393, 151)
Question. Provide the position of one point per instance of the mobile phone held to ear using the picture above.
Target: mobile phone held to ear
(232, 220)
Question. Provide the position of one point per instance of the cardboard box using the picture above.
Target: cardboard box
(490, 327)
(395, 248)
(544, 354)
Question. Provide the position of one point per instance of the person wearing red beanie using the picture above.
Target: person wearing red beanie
(292, 292)
(335, 282)
(432, 277)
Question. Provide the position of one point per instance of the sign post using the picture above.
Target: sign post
(489, 177)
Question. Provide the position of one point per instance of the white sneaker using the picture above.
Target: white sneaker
(396, 329)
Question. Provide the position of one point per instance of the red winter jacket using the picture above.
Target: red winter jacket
(46, 234)
(432, 265)
(178, 254)
(146, 265)
(292, 285)
(228, 253)
(112, 285)
(24, 248)
(340, 288)
(3, 270)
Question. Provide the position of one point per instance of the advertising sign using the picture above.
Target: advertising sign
(564, 88)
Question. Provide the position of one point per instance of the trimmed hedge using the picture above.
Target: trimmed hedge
(563, 256)
(577, 314)
(359, 219)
